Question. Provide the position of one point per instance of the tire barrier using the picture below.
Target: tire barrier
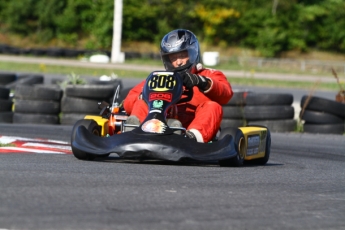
(6, 114)
(233, 111)
(113, 82)
(274, 110)
(6, 78)
(49, 52)
(81, 100)
(26, 79)
(37, 104)
(57, 52)
(123, 94)
(321, 115)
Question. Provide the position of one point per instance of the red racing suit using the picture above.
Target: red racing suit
(202, 115)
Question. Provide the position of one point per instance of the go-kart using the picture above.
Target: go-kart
(104, 134)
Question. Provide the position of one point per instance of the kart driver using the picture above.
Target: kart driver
(202, 115)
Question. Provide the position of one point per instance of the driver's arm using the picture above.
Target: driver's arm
(132, 97)
(219, 88)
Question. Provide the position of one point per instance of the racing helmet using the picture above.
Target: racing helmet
(177, 41)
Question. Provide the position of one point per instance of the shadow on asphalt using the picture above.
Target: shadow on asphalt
(186, 162)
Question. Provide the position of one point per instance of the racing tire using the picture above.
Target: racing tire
(124, 93)
(6, 117)
(79, 105)
(29, 118)
(238, 99)
(38, 92)
(323, 105)
(70, 118)
(324, 128)
(237, 160)
(55, 52)
(40, 107)
(94, 128)
(268, 112)
(38, 52)
(228, 131)
(278, 126)
(233, 112)
(90, 91)
(232, 123)
(6, 105)
(26, 80)
(4, 93)
(316, 117)
(264, 160)
(113, 82)
(72, 53)
(6, 78)
(269, 99)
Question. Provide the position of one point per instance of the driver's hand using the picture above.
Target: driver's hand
(190, 80)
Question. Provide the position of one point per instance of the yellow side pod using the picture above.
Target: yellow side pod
(252, 142)
(103, 122)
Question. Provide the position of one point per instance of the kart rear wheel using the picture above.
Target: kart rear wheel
(263, 161)
(239, 145)
(94, 128)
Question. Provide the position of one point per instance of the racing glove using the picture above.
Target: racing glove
(190, 80)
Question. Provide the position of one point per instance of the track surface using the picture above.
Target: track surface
(301, 187)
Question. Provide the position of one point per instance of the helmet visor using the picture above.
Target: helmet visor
(180, 60)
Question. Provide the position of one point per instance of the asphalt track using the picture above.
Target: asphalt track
(301, 187)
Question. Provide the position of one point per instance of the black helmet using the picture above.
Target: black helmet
(177, 41)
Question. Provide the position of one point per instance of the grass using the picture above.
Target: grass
(52, 69)
(6, 145)
(235, 65)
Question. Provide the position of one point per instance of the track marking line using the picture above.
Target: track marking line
(33, 145)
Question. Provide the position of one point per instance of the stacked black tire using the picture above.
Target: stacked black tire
(6, 103)
(81, 100)
(37, 104)
(6, 114)
(8, 82)
(274, 111)
(26, 79)
(7, 78)
(321, 115)
(233, 112)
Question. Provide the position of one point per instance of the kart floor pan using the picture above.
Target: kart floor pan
(166, 147)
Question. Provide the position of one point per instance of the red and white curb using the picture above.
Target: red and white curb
(9, 144)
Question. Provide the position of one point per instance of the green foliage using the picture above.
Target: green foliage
(72, 79)
(270, 27)
(19, 15)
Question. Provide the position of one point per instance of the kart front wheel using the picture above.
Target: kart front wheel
(94, 128)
